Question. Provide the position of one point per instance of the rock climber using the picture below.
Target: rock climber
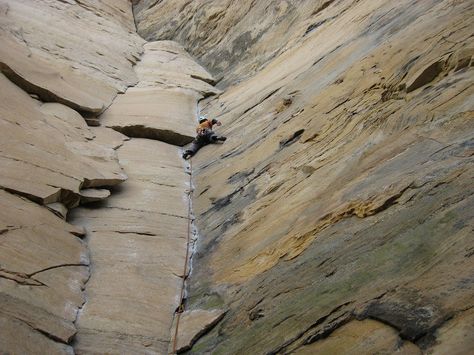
(205, 135)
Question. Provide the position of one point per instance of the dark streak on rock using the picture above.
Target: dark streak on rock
(256, 314)
(239, 176)
(413, 318)
(261, 101)
(320, 334)
(322, 7)
(326, 55)
(205, 190)
(201, 333)
(328, 329)
(206, 80)
(20, 278)
(41, 331)
(314, 26)
(137, 233)
(338, 105)
(426, 76)
(283, 320)
(289, 141)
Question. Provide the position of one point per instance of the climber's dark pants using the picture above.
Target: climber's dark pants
(200, 141)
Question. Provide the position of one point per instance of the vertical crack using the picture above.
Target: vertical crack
(134, 17)
(84, 295)
(190, 249)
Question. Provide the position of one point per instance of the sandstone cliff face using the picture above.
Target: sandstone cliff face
(82, 60)
(341, 206)
(129, 249)
(234, 39)
(336, 218)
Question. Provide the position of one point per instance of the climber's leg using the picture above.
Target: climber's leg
(195, 146)
(215, 138)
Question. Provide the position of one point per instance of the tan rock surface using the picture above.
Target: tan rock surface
(82, 60)
(76, 55)
(192, 325)
(345, 187)
(361, 337)
(167, 64)
(48, 154)
(137, 240)
(58, 209)
(456, 336)
(108, 137)
(337, 216)
(46, 151)
(166, 115)
(234, 40)
(68, 121)
(93, 195)
(42, 273)
(162, 105)
(31, 342)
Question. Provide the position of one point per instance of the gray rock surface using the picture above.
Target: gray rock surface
(344, 190)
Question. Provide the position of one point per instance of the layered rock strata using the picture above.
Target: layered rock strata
(344, 191)
(64, 157)
(82, 60)
(48, 156)
(166, 64)
(44, 266)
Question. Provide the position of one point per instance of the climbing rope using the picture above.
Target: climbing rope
(180, 308)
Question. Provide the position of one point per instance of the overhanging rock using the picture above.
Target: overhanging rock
(166, 115)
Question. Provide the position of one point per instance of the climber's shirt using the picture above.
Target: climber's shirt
(205, 126)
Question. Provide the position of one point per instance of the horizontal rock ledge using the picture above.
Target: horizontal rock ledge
(154, 113)
(164, 135)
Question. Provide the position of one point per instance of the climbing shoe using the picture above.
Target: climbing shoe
(222, 139)
(186, 155)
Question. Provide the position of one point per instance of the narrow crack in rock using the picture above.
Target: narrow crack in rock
(56, 267)
(20, 278)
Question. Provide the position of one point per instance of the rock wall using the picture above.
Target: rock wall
(137, 241)
(138, 237)
(233, 39)
(336, 218)
(338, 214)
(110, 281)
(77, 53)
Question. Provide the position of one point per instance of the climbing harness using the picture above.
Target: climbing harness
(181, 306)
